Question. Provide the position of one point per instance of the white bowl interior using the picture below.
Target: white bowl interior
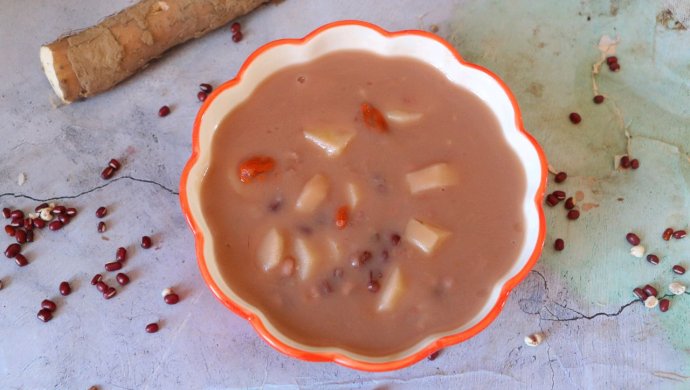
(355, 37)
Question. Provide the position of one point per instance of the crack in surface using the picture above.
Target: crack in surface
(117, 179)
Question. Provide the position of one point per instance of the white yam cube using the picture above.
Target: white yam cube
(334, 249)
(403, 117)
(313, 193)
(332, 141)
(271, 249)
(306, 258)
(434, 176)
(424, 236)
(392, 289)
(352, 195)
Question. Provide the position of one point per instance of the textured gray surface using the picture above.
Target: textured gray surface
(596, 338)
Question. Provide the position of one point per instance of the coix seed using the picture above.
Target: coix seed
(651, 302)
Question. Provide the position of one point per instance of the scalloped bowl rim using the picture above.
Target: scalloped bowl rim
(360, 35)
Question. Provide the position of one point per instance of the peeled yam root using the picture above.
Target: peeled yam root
(91, 61)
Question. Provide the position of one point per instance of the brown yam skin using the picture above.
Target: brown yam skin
(94, 60)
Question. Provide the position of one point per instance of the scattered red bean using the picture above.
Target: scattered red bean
(560, 195)
(625, 162)
(21, 260)
(679, 269)
(113, 266)
(18, 214)
(236, 37)
(64, 218)
(666, 235)
(575, 117)
(171, 298)
(359, 259)
(48, 305)
(633, 239)
(573, 214)
(152, 328)
(640, 293)
(122, 278)
(57, 210)
(39, 223)
(109, 293)
(235, 27)
(653, 259)
(17, 222)
(20, 236)
(201, 96)
(44, 315)
(65, 289)
(30, 236)
(96, 278)
(102, 227)
(204, 87)
(10, 230)
(664, 304)
(28, 223)
(598, 99)
(373, 286)
(634, 163)
(107, 173)
(164, 111)
(569, 204)
(101, 286)
(551, 200)
(678, 234)
(12, 250)
(121, 254)
(560, 177)
(71, 211)
(650, 290)
(614, 67)
(146, 242)
(101, 212)
(395, 238)
(559, 244)
(6, 212)
(113, 163)
(611, 60)
(41, 207)
(433, 355)
(55, 225)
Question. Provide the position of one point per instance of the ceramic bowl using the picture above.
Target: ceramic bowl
(355, 35)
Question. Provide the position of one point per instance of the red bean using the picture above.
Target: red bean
(41, 207)
(569, 204)
(64, 218)
(235, 27)
(678, 234)
(551, 200)
(650, 290)
(575, 117)
(17, 222)
(373, 286)
(109, 293)
(48, 305)
(678, 269)
(101, 212)
(39, 223)
(653, 259)
(101, 286)
(598, 99)
(18, 214)
(237, 36)
(113, 266)
(204, 87)
(10, 230)
(30, 236)
(96, 278)
(625, 162)
(113, 163)
(633, 239)
(573, 214)
(614, 67)
(560, 195)
(146, 242)
(20, 236)
(71, 211)
(560, 177)
(107, 173)
(12, 250)
(55, 225)
(57, 210)
(664, 304)
(201, 96)
(171, 299)
(102, 227)
(611, 60)
(28, 223)
(44, 315)
(559, 244)
(152, 328)
(121, 254)
(359, 259)
(21, 260)
(6, 212)
(640, 293)
(65, 289)
(666, 235)
(634, 163)
(433, 355)
(122, 278)
(164, 111)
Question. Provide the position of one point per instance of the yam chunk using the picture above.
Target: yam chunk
(392, 290)
(332, 141)
(403, 117)
(353, 195)
(424, 236)
(271, 249)
(434, 176)
(306, 258)
(313, 193)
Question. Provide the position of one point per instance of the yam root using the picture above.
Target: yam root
(93, 60)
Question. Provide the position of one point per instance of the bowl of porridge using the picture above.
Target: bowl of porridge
(362, 196)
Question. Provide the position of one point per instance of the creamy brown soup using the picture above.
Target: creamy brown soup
(363, 202)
